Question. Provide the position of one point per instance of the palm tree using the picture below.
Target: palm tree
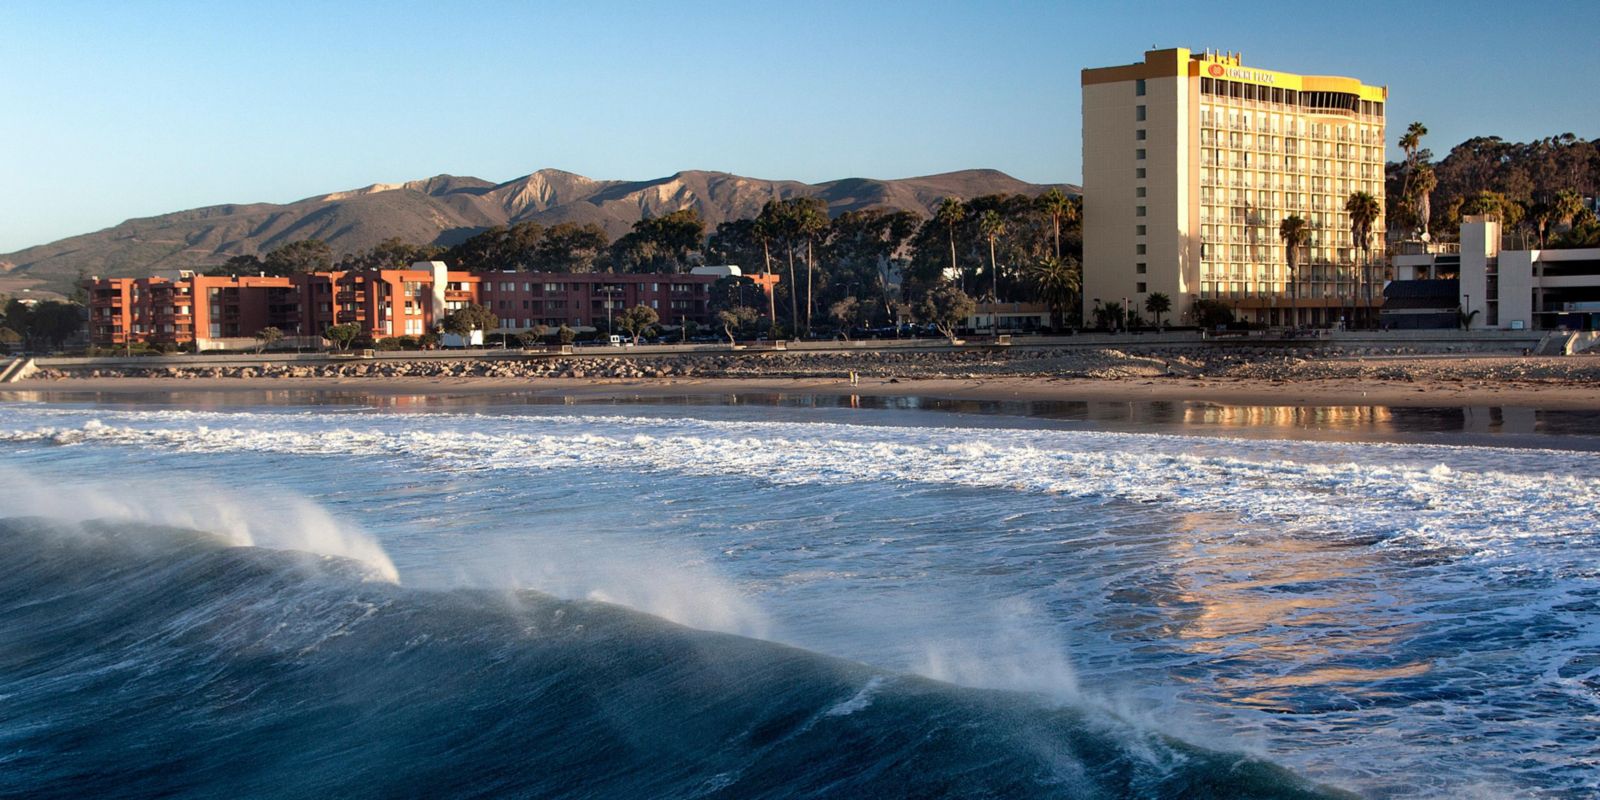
(1541, 214)
(1057, 283)
(1411, 143)
(1364, 209)
(1157, 304)
(993, 226)
(1294, 232)
(811, 219)
(950, 214)
(1061, 208)
(1422, 187)
(1112, 316)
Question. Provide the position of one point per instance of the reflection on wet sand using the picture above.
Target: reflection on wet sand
(1511, 427)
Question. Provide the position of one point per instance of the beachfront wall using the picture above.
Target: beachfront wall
(204, 311)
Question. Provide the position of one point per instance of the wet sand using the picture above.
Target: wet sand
(1229, 391)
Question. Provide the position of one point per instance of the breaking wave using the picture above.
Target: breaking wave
(156, 661)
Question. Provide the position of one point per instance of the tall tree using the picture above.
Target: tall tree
(946, 306)
(569, 247)
(1294, 232)
(950, 214)
(391, 253)
(294, 258)
(811, 220)
(637, 320)
(777, 218)
(1057, 283)
(1422, 187)
(1364, 210)
(500, 248)
(1567, 206)
(993, 227)
(1157, 303)
(1057, 205)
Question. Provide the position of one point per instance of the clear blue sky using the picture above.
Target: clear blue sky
(118, 110)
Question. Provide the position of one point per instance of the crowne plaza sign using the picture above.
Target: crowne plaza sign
(1241, 74)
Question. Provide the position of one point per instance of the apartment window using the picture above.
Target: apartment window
(1139, 134)
(1139, 154)
(1139, 211)
(1139, 268)
(1140, 287)
(1138, 87)
(1139, 249)
(1138, 113)
(1138, 191)
(1140, 230)
(1139, 172)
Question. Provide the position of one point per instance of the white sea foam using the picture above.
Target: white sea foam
(1325, 486)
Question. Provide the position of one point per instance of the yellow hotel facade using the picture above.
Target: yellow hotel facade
(1190, 162)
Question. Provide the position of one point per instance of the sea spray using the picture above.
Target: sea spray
(262, 517)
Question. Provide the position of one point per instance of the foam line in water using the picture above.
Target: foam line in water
(1487, 499)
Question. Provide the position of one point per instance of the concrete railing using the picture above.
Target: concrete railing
(17, 369)
(1581, 342)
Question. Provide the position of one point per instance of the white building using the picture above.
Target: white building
(1506, 289)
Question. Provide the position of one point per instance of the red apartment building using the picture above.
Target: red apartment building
(208, 310)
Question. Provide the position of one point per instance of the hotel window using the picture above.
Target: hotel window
(1139, 211)
(1139, 249)
(1138, 113)
(1139, 154)
(1138, 191)
(1139, 134)
(1139, 268)
(1138, 87)
(1140, 230)
(1140, 287)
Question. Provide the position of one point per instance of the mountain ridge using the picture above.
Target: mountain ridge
(446, 209)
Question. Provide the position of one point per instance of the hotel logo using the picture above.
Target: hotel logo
(1241, 74)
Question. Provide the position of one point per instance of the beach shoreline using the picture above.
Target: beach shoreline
(1426, 393)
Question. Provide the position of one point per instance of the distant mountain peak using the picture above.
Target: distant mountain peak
(448, 208)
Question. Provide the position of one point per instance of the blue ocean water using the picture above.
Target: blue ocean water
(496, 598)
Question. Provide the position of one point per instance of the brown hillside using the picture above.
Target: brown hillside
(447, 209)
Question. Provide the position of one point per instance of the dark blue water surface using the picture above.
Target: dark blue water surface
(794, 597)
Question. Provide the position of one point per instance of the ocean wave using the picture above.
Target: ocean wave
(1414, 496)
(157, 661)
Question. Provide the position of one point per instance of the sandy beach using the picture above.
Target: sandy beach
(1226, 391)
(1300, 376)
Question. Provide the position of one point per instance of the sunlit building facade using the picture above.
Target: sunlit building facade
(216, 311)
(1191, 160)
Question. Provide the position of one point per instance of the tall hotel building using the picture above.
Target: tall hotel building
(1191, 161)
